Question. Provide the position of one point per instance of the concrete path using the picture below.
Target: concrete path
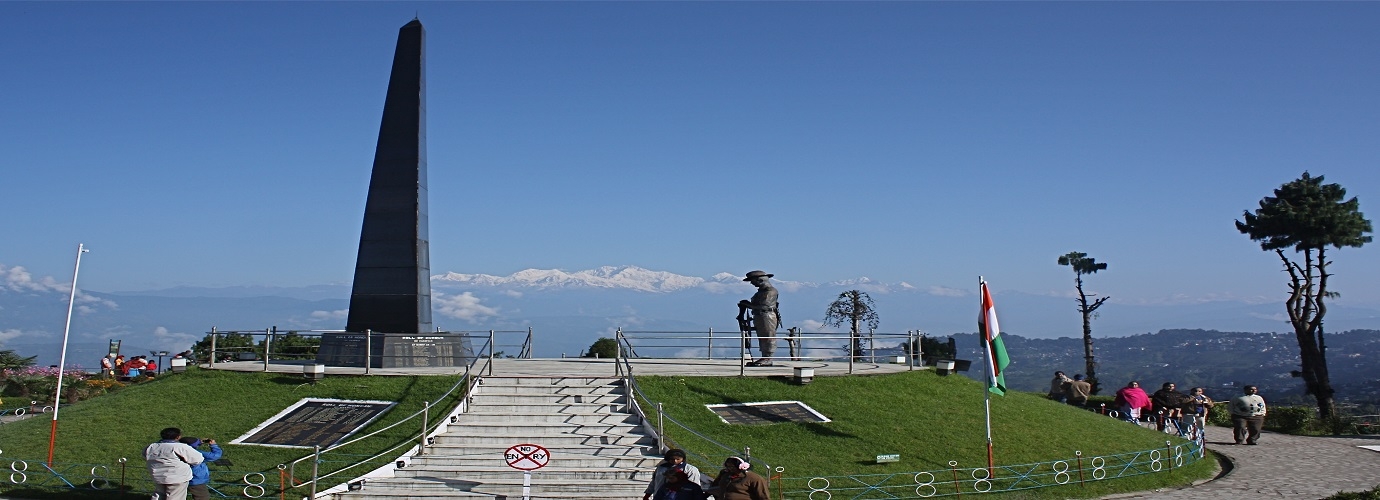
(1283, 466)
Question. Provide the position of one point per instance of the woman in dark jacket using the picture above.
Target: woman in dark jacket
(736, 482)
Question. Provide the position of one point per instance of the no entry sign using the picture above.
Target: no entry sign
(526, 457)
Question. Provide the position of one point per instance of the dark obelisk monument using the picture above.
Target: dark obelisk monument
(391, 298)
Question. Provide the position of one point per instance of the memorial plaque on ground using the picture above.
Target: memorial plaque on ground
(767, 412)
(312, 422)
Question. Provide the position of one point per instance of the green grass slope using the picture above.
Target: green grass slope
(216, 404)
(928, 419)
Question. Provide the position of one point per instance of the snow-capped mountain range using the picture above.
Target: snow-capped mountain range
(630, 278)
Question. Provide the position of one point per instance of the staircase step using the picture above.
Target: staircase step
(552, 473)
(549, 399)
(478, 420)
(495, 459)
(597, 448)
(438, 487)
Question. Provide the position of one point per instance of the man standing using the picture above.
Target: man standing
(1247, 415)
(1077, 390)
(765, 318)
(170, 464)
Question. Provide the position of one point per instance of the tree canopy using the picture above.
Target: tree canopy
(1307, 214)
(1081, 263)
(12, 360)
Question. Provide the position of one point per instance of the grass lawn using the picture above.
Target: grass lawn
(928, 419)
(208, 403)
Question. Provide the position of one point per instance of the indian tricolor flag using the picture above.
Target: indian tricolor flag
(992, 341)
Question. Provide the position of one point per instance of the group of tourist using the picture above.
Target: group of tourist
(1174, 411)
(1073, 391)
(674, 479)
(114, 365)
(178, 465)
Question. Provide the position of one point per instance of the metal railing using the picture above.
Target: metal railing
(271, 344)
(958, 481)
(482, 364)
(658, 432)
(799, 346)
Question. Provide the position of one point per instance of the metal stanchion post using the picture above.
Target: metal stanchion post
(368, 350)
(268, 344)
(315, 463)
(710, 353)
(426, 415)
(212, 361)
(492, 346)
(660, 428)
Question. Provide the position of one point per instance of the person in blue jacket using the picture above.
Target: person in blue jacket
(201, 474)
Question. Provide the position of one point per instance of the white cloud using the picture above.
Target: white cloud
(717, 287)
(464, 306)
(944, 291)
(513, 293)
(173, 341)
(18, 279)
(8, 335)
(1280, 317)
(811, 325)
(330, 315)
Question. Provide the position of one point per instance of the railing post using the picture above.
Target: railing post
(853, 340)
(872, 344)
(268, 343)
(710, 353)
(368, 349)
(213, 348)
(315, 464)
(426, 415)
(492, 346)
(742, 353)
(618, 351)
(660, 429)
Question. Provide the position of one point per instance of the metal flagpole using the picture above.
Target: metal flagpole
(62, 359)
(986, 370)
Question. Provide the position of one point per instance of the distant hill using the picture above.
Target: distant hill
(1220, 361)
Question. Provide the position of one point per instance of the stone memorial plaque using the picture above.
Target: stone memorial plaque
(767, 412)
(312, 422)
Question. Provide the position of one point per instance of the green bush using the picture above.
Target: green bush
(603, 348)
(1290, 419)
(1371, 494)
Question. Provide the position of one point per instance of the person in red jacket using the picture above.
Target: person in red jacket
(1131, 401)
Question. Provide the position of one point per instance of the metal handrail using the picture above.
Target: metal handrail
(469, 376)
(658, 433)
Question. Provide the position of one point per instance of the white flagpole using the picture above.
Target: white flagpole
(62, 360)
(987, 370)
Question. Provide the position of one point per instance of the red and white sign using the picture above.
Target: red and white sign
(526, 457)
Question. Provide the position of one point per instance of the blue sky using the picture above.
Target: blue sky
(221, 144)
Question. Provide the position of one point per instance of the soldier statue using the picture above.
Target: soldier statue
(765, 317)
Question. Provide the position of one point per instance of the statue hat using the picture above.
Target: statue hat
(757, 274)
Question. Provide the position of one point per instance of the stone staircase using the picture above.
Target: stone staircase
(597, 446)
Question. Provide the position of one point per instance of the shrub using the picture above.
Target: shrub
(603, 348)
(1371, 494)
(1289, 419)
